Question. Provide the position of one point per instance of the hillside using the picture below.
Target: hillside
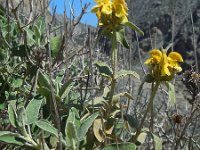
(164, 20)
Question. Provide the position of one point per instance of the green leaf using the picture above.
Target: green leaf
(44, 92)
(11, 138)
(121, 38)
(55, 43)
(74, 117)
(118, 127)
(37, 35)
(134, 27)
(121, 146)
(71, 134)
(17, 82)
(71, 117)
(104, 69)
(44, 80)
(171, 94)
(66, 88)
(46, 126)
(85, 125)
(2, 106)
(12, 115)
(29, 34)
(32, 110)
(41, 24)
(134, 123)
(123, 73)
(21, 117)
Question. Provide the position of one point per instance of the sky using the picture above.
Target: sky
(88, 18)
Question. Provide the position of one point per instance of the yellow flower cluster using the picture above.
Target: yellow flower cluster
(111, 13)
(164, 65)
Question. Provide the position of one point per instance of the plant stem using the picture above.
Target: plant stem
(152, 114)
(114, 52)
(114, 64)
(27, 137)
(155, 88)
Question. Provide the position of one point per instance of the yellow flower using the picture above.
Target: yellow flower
(155, 57)
(163, 65)
(174, 58)
(107, 9)
(123, 6)
(111, 13)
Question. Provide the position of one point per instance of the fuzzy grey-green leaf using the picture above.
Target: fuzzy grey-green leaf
(32, 110)
(46, 126)
(11, 138)
(85, 125)
(71, 134)
(43, 80)
(123, 73)
(65, 89)
(21, 117)
(104, 69)
(12, 115)
(171, 94)
(121, 38)
(134, 27)
(133, 122)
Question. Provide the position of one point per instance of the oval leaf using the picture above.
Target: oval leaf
(43, 80)
(134, 27)
(22, 117)
(71, 134)
(12, 115)
(121, 38)
(65, 89)
(123, 73)
(32, 110)
(85, 125)
(29, 34)
(44, 92)
(134, 123)
(11, 138)
(104, 69)
(171, 94)
(46, 126)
